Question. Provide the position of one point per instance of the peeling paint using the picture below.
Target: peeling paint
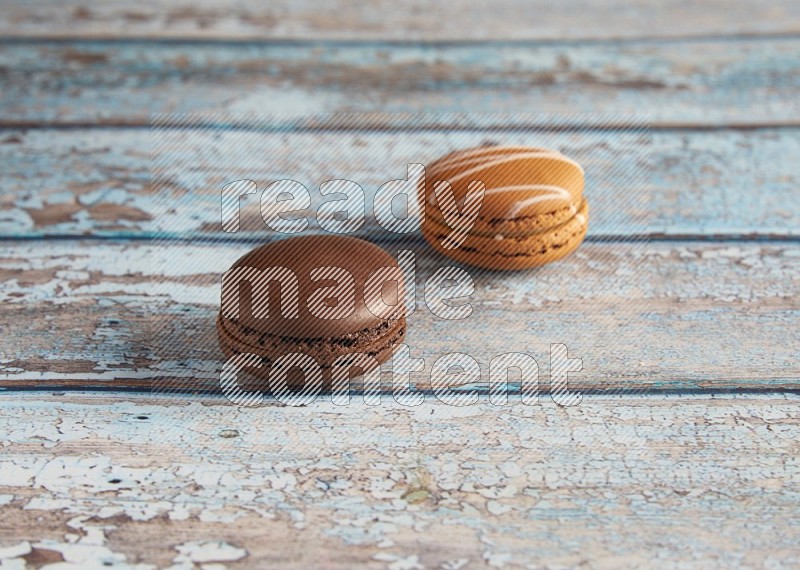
(108, 176)
(493, 478)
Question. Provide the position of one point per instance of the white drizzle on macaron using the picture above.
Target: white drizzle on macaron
(470, 163)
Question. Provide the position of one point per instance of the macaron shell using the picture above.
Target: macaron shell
(484, 153)
(517, 182)
(504, 252)
(302, 255)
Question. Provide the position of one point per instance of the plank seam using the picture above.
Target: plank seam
(656, 237)
(6, 125)
(10, 39)
(205, 392)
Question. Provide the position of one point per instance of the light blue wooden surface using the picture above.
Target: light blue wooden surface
(660, 317)
(652, 477)
(690, 481)
(694, 81)
(77, 182)
(724, 112)
(462, 21)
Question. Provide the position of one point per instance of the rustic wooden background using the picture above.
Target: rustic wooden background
(687, 458)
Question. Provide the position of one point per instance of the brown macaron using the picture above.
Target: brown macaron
(533, 211)
(315, 296)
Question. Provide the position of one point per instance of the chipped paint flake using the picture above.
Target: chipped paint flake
(208, 551)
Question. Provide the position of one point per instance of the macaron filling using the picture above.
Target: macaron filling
(521, 244)
(241, 339)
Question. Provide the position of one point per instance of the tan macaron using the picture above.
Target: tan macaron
(532, 210)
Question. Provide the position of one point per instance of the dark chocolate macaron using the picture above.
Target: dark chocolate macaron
(335, 299)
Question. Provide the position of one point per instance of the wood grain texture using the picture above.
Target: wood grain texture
(143, 483)
(386, 20)
(689, 82)
(97, 181)
(658, 317)
(137, 481)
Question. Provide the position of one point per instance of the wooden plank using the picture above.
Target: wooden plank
(665, 316)
(97, 181)
(698, 481)
(697, 82)
(385, 20)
